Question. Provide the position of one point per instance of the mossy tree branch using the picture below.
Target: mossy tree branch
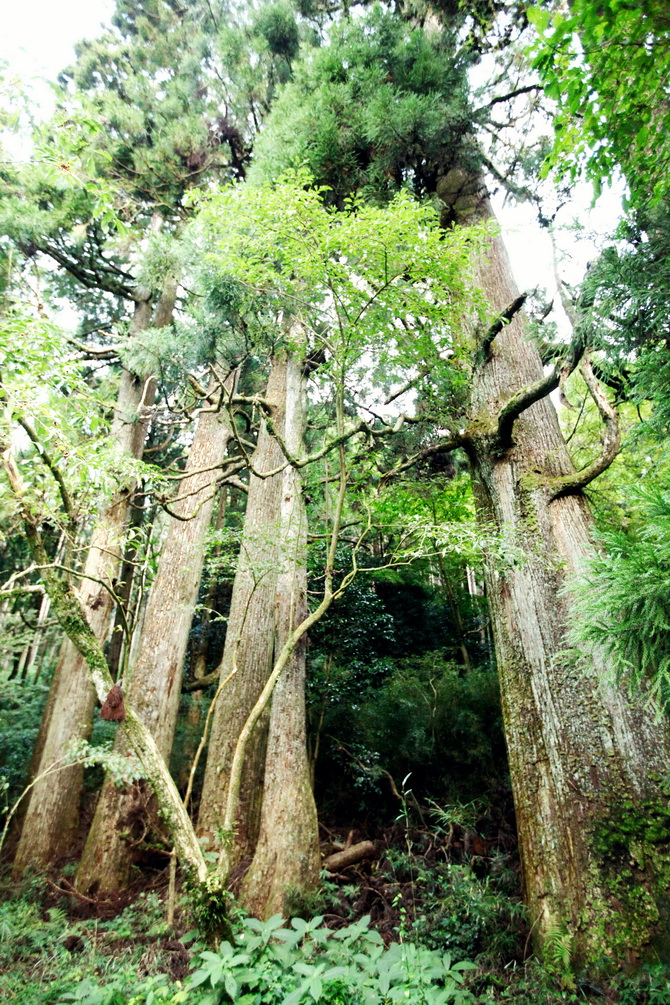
(499, 323)
(527, 396)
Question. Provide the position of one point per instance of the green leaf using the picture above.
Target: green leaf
(539, 17)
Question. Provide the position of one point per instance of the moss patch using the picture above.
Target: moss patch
(632, 845)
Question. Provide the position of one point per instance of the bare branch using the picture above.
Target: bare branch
(528, 89)
(409, 383)
(94, 352)
(17, 591)
(52, 466)
(570, 484)
(443, 447)
(237, 483)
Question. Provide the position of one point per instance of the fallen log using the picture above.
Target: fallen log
(354, 853)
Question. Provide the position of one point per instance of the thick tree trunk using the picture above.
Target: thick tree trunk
(155, 684)
(249, 645)
(586, 762)
(51, 817)
(286, 863)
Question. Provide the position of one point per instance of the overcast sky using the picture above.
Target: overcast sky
(37, 40)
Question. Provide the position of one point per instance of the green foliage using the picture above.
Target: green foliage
(150, 83)
(306, 961)
(458, 912)
(602, 61)
(651, 986)
(276, 24)
(626, 300)
(21, 706)
(350, 279)
(429, 719)
(44, 954)
(622, 600)
(273, 963)
(632, 830)
(45, 387)
(557, 956)
(381, 106)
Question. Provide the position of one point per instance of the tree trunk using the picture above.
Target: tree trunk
(155, 684)
(39, 635)
(586, 763)
(248, 647)
(195, 715)
(119, 644)
(51, 817)
(286, 863)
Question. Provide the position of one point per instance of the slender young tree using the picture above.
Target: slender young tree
(285, 248)
(158, 132)
(51, 817)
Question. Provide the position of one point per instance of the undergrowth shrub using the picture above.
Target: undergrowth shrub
(532, 984)
(454, 910)
(44, 954)
(275, 963)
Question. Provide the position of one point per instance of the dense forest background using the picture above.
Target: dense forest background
(334, 567)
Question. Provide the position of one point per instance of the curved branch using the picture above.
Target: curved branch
(569, 484)
(52, 466)
(94, 278)
(94, 352)
(443, 447)
(532, 393)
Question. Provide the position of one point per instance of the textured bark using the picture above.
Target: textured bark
(119, 645)
(286, 862)
(155, 683)
(52, 815)
(249, 646)
(581, 754)
(197, 709)
(38, 639)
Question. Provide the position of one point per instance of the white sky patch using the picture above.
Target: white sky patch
(38, 36)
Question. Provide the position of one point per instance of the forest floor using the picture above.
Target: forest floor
(446, 889)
